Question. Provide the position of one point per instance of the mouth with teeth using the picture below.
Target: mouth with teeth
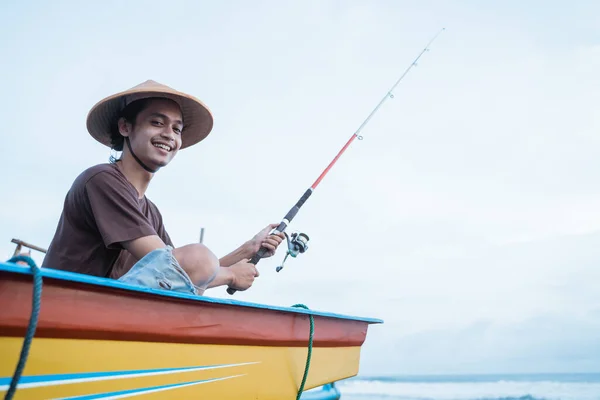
(162, 146)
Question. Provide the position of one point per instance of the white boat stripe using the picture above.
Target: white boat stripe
(147, 391)
(117, 376)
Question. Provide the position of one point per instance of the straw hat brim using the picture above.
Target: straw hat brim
(197, 118)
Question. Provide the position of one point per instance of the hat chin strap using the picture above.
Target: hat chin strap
(136, 157)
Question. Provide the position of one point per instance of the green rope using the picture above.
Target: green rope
(33, 320)
(310, 347)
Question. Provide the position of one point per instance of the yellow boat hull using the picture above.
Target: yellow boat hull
(211, 371)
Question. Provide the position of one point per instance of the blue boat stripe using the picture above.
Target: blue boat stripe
(58, 377)
(135, 392)
(65, 379)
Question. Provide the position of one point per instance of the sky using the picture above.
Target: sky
(468, 217)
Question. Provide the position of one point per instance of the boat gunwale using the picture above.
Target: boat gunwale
(112, 283)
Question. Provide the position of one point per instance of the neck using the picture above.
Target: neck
(135, 174)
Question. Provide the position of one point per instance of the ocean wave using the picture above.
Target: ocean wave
(499, 390)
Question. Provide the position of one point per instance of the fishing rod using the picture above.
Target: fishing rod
(298, 242)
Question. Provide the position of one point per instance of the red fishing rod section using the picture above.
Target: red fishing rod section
(294, 210)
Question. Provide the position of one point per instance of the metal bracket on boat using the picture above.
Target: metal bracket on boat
(20, 244)
(298, 243)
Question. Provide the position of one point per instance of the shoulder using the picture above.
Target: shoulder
(80, 182)
(103, 180)
(101, 176)
(100, 171)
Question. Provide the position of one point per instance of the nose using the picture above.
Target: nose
(168, 134)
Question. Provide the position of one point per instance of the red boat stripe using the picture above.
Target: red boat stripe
(87, 311)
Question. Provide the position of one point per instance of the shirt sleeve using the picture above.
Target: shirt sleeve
(116, 210)
(162, 232)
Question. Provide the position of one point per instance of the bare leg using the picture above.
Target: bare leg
(198, 262)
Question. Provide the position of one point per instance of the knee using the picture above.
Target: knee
(197, 261)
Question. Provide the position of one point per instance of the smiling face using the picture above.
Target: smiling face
(155, 135)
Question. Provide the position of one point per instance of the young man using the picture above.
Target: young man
(109, 228)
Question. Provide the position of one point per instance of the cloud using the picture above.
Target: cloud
(469, 208)
(546, 343)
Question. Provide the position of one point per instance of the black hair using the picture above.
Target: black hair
(129, 113)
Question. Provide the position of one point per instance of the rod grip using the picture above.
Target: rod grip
(282, 225)
(254, 260)
(259, 254)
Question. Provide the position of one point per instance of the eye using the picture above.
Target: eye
(177, 130)
(157, 123)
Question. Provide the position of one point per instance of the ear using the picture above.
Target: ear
(124, 127)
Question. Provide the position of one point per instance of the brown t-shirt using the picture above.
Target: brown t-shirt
(101, 210)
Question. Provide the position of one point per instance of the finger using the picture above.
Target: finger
(272, 245)
(270, 227)
(278, 238)
(271, 242)
(256, 273)
(278, 234)
(275, 238)
(269, 247)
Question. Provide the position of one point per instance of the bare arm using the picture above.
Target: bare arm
(235, 256)
(224, 277)
(239, 276)
(249, 248)
(144, 245)
(233, 270)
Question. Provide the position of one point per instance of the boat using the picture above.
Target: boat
(98, 338)
(325, 392)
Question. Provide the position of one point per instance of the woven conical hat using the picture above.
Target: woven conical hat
(197, 118)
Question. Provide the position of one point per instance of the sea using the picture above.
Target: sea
(474, 387)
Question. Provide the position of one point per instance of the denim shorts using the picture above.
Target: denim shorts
(160, 270)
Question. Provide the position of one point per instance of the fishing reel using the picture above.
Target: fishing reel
(297, 244)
